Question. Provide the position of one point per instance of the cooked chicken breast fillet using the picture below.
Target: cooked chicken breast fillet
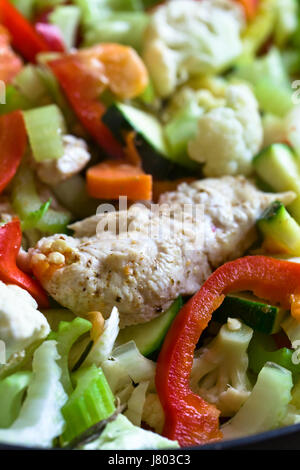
(141, 259)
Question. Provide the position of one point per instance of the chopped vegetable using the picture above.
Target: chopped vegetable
(24, 38)
(10, 243)
(280, 231)
(111, 179)
(189, 419)
(220, 368)
(267, 405)
(28, 205)
(40, 419)
(12, 144)
(45, 127)
(12, 393)
(263, 350)
(252, 311)
(79, 78)
(67, 334)
(149, 337)
(91, 402)
(122, 434)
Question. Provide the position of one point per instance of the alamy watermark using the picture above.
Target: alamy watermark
(153, 222)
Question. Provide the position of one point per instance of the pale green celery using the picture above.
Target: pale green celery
(40, 420)
(125, 27)
(66, 18)
(26, 7)
(45, 127)
(12, 391)
(122, 434)
(27, 204)
(31, 86)
(91, 402)
(67, 334)
(73, 195)
(14, 100)
(54, 90)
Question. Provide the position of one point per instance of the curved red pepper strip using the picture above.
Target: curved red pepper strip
(10, 243)
(189, 419)
(81, 91)
(13, 142)
(24, 38)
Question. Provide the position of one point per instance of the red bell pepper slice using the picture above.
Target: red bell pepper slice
(24, 38)
(13, 140)
(189, 419)
(10, 243)
(81, 89)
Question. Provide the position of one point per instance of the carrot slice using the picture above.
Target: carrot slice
(111, 179)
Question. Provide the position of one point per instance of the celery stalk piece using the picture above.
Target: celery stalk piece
(31, 86)
(26, 7)
(91, 402)
(14, 100)
(12, 391)
(125, 27)
(40, 419)
(29, 207)
(67, 334)
(267, 405)
(66, 18)
(45, 127)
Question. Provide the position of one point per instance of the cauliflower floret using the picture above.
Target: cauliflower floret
(186, 39)
(74, 159)
(21, 324)
(229, 136)
(153, 413)
(219, 372)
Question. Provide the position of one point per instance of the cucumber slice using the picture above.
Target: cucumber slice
(150, 141)
(45, 127)
(149, 337)
(278, 166)
(267, 405)
(281, 232)
(253, 312)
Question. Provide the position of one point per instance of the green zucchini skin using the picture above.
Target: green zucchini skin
(155, 160)
(150, 336)
(253, 312)
(279, 229)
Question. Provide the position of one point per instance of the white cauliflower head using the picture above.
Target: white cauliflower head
(219, 372)
(187, 38)
(228, 137)
(21, 324)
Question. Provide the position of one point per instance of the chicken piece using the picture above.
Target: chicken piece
(141, 259)
(74, 159)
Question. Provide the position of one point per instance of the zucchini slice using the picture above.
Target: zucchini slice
(252, 311)
(277, 166)
(149, 337)
(280, 231)
(149, 140)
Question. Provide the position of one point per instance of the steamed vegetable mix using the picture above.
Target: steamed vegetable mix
(149, 222)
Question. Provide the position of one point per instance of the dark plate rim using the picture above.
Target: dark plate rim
(235, 444)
